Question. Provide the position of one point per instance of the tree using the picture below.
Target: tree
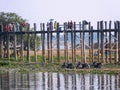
(6, 18)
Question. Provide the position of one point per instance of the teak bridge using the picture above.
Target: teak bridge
(102, 45)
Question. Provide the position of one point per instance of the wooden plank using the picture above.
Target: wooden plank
(28, 43)
(35, 43)
(110, 43)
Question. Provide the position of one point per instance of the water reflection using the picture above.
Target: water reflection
(58, 81)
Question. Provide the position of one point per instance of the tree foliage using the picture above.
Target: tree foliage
(10, 17)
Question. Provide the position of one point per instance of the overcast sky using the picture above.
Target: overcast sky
(63, 10)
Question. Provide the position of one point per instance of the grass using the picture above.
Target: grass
(23, 66)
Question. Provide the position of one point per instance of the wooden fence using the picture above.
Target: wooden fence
(102, 45)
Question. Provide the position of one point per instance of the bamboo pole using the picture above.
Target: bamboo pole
(110, 43)
(35, 43)
(28, 43)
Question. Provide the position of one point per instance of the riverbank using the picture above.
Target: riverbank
(39, 67)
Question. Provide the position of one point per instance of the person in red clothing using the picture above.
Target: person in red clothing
(6, 28)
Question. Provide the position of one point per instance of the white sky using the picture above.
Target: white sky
(36, 11)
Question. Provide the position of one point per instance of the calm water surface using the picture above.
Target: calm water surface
(58, 81)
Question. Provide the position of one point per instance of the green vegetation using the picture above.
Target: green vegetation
(24, 66)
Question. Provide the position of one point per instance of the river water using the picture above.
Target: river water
(58, 81)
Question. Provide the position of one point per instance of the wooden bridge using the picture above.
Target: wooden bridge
(106, 39)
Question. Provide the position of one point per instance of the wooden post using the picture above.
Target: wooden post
(116, 41)
(22, 44)
(89, 25)
(35, 43)
(102, 42)
(28, 43)
(58, 43)
(98, 38)
(48, 40)
(43, 43)
(110, 44)
(92, 45)
(8, 45)
(80, 26)
(119, 41)
(1, 41)
(15, 39)
(106, 44)
(83, 43)
(74, 27)
(65, 43)
(72, 45)
(51, 29)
